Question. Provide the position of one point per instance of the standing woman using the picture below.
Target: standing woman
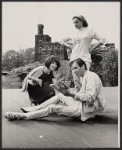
(37, 82)
(80, 46)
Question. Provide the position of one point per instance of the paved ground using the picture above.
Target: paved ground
(59, 132)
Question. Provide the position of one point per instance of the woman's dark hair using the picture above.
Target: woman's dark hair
(51, 59)
(80, 63)
(81, 18)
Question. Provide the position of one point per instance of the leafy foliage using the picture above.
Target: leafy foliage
(107, 69)
(13, 59)
(23, 61)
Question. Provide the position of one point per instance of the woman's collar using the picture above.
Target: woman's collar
(46, 70)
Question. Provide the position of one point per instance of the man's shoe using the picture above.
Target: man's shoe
(14, 116)
(23, 109)
(29, 109)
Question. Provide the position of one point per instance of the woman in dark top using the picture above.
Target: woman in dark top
(38, 81)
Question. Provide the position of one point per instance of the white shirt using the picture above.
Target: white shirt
(91, 95)
(82, 43)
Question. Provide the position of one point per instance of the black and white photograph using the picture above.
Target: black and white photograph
(60, 74)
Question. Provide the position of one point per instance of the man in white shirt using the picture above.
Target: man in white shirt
(84, 104)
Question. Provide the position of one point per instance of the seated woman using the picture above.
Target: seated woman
(38, 80)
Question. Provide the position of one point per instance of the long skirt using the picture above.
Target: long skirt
(39, 94)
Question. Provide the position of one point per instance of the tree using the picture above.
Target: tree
(13, 59)
(29, 55)
(9, 59)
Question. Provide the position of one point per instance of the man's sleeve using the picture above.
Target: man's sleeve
(90, 92)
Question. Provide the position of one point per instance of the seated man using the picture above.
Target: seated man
(84, 104)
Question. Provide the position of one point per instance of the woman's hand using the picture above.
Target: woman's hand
(91, 48)
(35, 80)
(94, 46)
(39, 81)
(67, 42)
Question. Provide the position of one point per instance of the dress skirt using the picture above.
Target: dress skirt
(39, 94)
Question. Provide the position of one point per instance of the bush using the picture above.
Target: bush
(107, 69)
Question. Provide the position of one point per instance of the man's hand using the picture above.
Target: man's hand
(68, 93)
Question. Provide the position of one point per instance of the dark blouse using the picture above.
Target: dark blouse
(39, 94)
(46, 78)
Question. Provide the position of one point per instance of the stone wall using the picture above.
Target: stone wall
(44, 47)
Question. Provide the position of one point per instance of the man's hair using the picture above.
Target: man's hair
(80, 63)
(81, 18)
(51, 59)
